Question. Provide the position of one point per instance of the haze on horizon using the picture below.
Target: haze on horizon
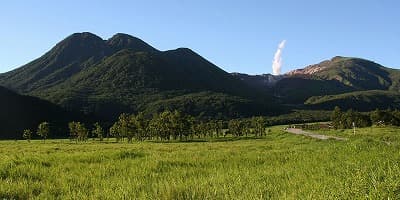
(238, 37)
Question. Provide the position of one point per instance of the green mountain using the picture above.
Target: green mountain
(336, 76)
(67, 58)
(333, 82)
(124, 74)
(359, 100)
(359, 74)
(20, 112)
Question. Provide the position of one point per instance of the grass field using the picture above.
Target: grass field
(278, 166)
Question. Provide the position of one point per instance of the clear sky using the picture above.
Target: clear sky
(238, 36)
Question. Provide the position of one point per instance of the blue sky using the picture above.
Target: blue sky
(238, 36)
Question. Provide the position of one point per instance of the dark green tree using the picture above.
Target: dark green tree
(181, 123)
(43, 130)
(161, 126)
(381, 117)
(196, 129)
(359, 120)
(98, 131)
(115, 132)
(142, 127)
(124, 127)
(395, 118)
(219, 127)
(73, 133)
(27, 135)
(258, 124)
(337, 118)
(78, 131)
(82, 131)
(236, 127)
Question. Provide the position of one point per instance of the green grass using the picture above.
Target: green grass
(278, 166)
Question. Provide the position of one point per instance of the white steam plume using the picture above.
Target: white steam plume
(277, 62)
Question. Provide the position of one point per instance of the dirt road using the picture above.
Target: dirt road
(313, 135)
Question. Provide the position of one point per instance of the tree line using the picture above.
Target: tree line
(350, 118)
(167, 125)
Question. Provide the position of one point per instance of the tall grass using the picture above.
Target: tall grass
(278, 166)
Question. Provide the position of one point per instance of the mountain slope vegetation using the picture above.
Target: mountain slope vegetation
(359, 100)
(20, 112)
(357, 73)
(125, 74)
(342, 75)
(333, 82)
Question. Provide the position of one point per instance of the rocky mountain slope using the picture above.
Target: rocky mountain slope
(336, 76)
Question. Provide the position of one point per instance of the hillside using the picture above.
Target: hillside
(359, 100)
(24, 112)
(263, 81)
(295, 90)
(359, 74)
(125, 74)
(336, 76)
(205, 104)
(331, 77)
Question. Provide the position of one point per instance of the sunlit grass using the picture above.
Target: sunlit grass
(277, 166)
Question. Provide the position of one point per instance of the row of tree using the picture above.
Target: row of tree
(166, 125)
(385, 117)
(43, 131)
(350, 118)
(169, 125)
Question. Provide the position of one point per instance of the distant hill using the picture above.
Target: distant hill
(296, 90)
(24, 112)
(337, 78)
(359, 100)
(125, 74)
(359, 74)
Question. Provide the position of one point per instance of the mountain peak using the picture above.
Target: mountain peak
(80, 42)
(182, 51)
(124, 41)
(122, 35)
(338, 58)
(83, 36)
(322, 66)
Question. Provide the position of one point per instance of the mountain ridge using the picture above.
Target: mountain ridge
(122, 73)
(125, 74)
(330, 77)
(359, 73)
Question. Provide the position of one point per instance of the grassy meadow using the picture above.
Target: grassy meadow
(277, 166)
